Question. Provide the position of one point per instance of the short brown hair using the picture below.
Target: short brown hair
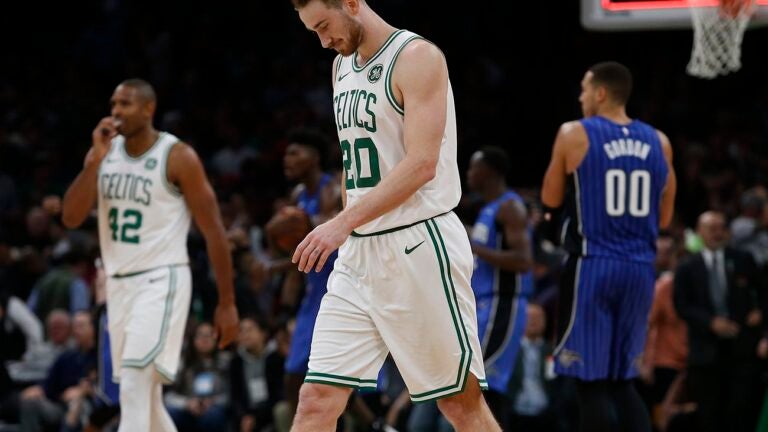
(615, 77)
(298, 4)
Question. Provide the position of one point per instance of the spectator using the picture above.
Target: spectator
(716, 295)
(198, 401)
(63, 287)
(44, 405)
(530, 389)
(256, 377)
(20, 329)
(37, 360)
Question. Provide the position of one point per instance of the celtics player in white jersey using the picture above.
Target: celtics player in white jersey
(401, 283)
(148, 185)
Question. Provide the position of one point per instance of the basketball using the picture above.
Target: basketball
(287, 228)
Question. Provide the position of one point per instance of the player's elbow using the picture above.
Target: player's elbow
(70, 219)
(425, 169)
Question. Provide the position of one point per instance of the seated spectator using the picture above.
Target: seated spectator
(37, 360)
(44, 405)
(62, 287)
(20, 329)
(256, 377)
(198, 400)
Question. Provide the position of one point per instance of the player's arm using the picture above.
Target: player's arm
(420, 81)
(553, 187)
(670, 189)
(516, 256)
(186, 171)
(81, 194)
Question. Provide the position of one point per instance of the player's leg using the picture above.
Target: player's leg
(135, 398)
(320, 406)
(587, 329)
(428, 318)
(153, 333)
(347, 351)
(634, 296)
(467, 411)
(501, 342)
(161, 420)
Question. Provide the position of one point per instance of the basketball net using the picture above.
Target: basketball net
(717, 35)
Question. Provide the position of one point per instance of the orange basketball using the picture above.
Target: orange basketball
(287, 228)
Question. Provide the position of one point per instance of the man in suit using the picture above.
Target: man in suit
(716, 294)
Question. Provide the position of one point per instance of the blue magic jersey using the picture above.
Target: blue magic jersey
(613, 205)
(317, 285)
(501, 299)
(488, 280)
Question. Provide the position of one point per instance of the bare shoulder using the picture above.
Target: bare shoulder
(666, 145)
(183, 161)
(182, 153)
(513, 210)
(572, 130)
(419, 58)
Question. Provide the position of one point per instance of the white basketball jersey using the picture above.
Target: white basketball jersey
(370, 126)
(143, 219)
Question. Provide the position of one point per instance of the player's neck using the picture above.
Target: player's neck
(376, 31)
(312, 180)
(138, 143)
(615, 114)
(494, 191)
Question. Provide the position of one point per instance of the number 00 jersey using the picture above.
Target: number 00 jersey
(370, 125)
(613, 207)
(143, 218)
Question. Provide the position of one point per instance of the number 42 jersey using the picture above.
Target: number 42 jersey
(614, 197)
(143, 218)
(370, 124)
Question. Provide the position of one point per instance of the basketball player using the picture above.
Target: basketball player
(147, 183)
(621, 189)
(502, 279)
(401, 282)
(318, 195)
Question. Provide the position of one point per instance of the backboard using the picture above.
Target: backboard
(625, 15)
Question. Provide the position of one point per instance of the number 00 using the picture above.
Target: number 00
(616, 193)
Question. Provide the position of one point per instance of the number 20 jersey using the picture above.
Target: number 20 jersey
(615, 194)
(370, 124)
(143, 218)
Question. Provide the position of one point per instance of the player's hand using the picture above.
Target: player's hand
(319, 244)
(101, 138)
(754, 318)
(227, 324)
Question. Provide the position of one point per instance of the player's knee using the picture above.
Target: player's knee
(321, 401)
(458, 407)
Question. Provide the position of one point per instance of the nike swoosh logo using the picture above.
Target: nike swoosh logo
(408, 251)
(156, 279)
(342, 76)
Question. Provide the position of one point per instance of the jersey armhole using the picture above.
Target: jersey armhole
(170, 187)
(388, 85)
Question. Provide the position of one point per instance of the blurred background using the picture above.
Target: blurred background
(234, 78)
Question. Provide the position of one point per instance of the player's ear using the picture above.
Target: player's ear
(601, 94)
(149, 108)
(352, 6)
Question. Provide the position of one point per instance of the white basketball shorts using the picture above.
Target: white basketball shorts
(147, 313)
(406, 292)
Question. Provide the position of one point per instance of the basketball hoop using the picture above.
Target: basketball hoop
(717, 35)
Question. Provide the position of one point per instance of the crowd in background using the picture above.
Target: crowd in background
(234, 94)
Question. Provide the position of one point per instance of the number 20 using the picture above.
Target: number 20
(616, 192)
(364, 176)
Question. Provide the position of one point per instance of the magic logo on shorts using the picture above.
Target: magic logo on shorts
(568, 358)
